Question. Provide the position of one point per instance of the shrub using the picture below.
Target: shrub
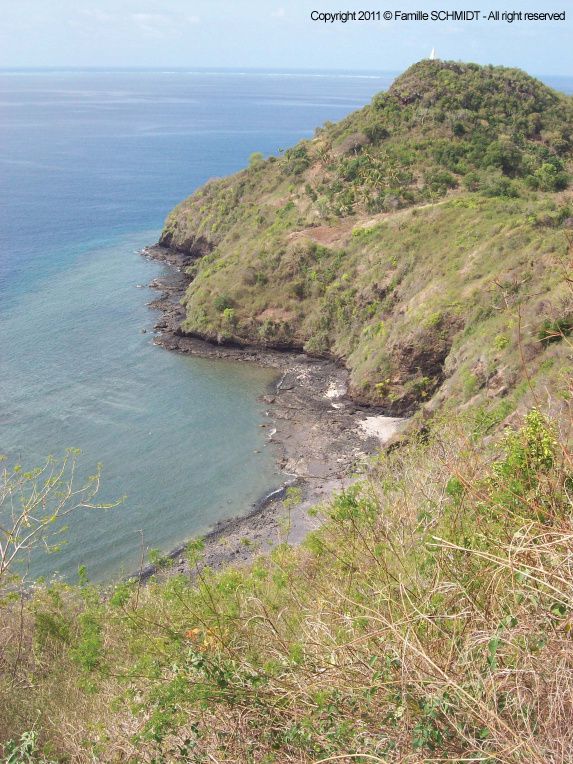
(500, 187)
(230, 317)
(256, 159)
(439, 181)
(549, 177)
(501, 341)
(296, 160)
(504, 156)
(554, 330)
(423, 619)
(24, 750)
(222, 302)
(376, 133)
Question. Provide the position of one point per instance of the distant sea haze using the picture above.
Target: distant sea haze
(92, 162)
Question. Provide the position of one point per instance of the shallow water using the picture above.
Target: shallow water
(176, 434)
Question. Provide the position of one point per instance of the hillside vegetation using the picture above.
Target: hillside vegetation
(399, 240)
(429, 618)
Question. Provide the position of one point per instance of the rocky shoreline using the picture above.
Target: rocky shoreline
(321, 436)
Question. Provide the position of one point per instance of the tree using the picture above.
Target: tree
(34, 503)
(503, 155)
(549, 177)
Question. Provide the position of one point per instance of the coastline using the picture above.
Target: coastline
(321, 436)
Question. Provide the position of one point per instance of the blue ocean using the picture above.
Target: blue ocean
(91, 163)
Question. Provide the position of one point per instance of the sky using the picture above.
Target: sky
(273, 34)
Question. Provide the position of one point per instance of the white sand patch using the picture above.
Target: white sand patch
(382, 427)
(335, 390)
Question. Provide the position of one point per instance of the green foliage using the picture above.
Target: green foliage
(549, 177)
(501, 341)
(24, 750)
(35, 503)
(431, 195)
(157, 558)
(554, 330)
(88, 649)
(223, 303)
(256, 159)
(375, 132)
(296, 160)
(52, 623)
(395, 628)
(488, 418)
(531, 450)
(500, 187)
(121, 595)
(293, 497)
(503, 155)
(439, 181)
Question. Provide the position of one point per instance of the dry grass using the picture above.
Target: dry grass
(430, 619)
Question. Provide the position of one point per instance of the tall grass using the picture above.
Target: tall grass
(429, 619)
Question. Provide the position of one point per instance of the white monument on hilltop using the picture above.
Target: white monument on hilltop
(433, 55)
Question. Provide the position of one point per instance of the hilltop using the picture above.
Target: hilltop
(398, 241)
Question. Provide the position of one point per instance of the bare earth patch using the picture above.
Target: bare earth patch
(323, 234)
(275, 314)
(382, 427)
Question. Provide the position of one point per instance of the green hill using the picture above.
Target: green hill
(398, 240)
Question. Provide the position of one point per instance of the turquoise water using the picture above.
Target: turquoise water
(91, 163)
(176, 434)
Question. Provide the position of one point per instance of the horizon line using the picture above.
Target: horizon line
(246, 69)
